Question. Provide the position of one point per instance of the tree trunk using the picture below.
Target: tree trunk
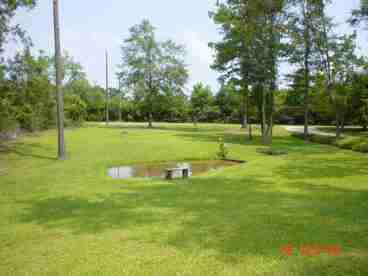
(343, 126)
(150, 125)
(150, 113)
(338, 125)
(306, 101)
(120, 107)
(342, 121)
(306, 15)
(260, 118)
(120, 115)
(244, 111)
(250, 131)
(306, 111)
(59, 91)
(248, 121)
(264, 123)
(338, 131)
(269, 131)
(245, 121)
(273, 65)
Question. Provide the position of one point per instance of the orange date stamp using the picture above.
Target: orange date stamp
(311, 250)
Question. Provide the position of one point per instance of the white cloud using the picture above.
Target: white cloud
(89, 50)
(197, 47)
(200, 57)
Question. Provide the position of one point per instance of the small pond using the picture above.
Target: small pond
(158, 170)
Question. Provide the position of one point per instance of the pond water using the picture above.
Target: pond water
(158, 170)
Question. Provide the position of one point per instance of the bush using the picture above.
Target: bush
(75, 110)
(364, 147)
(7, 117)
(348, 143)
(358, 144)
(356, 147)
(297, 135)
(223, 150)
(319, 139)
(326, 140)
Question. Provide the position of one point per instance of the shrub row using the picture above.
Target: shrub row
(354, 143)
(358, 144)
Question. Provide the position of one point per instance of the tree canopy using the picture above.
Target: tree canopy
(151, 67)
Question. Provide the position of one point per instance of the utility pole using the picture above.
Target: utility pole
(107, 88)
(59, 79)
(120, 99)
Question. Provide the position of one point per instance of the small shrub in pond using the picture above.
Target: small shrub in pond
(223, 150)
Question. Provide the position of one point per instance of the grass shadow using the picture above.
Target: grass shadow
(25, 150)
(233, 216)
(324, 166)
(279, 142)
(164, 127)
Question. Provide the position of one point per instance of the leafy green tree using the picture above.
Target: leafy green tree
(72, 70)
(303, 50)
(172, 108)
(201, 102)
(150, 67)
(338, 62)
(293, 100)
(320, 103)
(27, 93)
(79, 87)
(228, 99)
(361, 14)
(251, 48)
(75, 109)
(234, 53)
(76, 88)
(95, 101)
(8, 9)
(178, 109)
(359, 102)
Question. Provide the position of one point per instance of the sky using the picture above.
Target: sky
(88, 28)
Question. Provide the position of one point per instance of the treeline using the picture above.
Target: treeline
(27, 93)
(27, 99)
(329, 84)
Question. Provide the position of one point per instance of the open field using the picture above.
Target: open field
(70, 218)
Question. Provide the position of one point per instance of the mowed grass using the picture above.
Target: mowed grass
(348, 131)
(354, 138)
(70, 218)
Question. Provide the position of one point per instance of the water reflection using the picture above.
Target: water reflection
(158, 170)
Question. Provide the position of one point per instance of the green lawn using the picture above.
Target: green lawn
(348, 131)
(70, 218)
(354, 138)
